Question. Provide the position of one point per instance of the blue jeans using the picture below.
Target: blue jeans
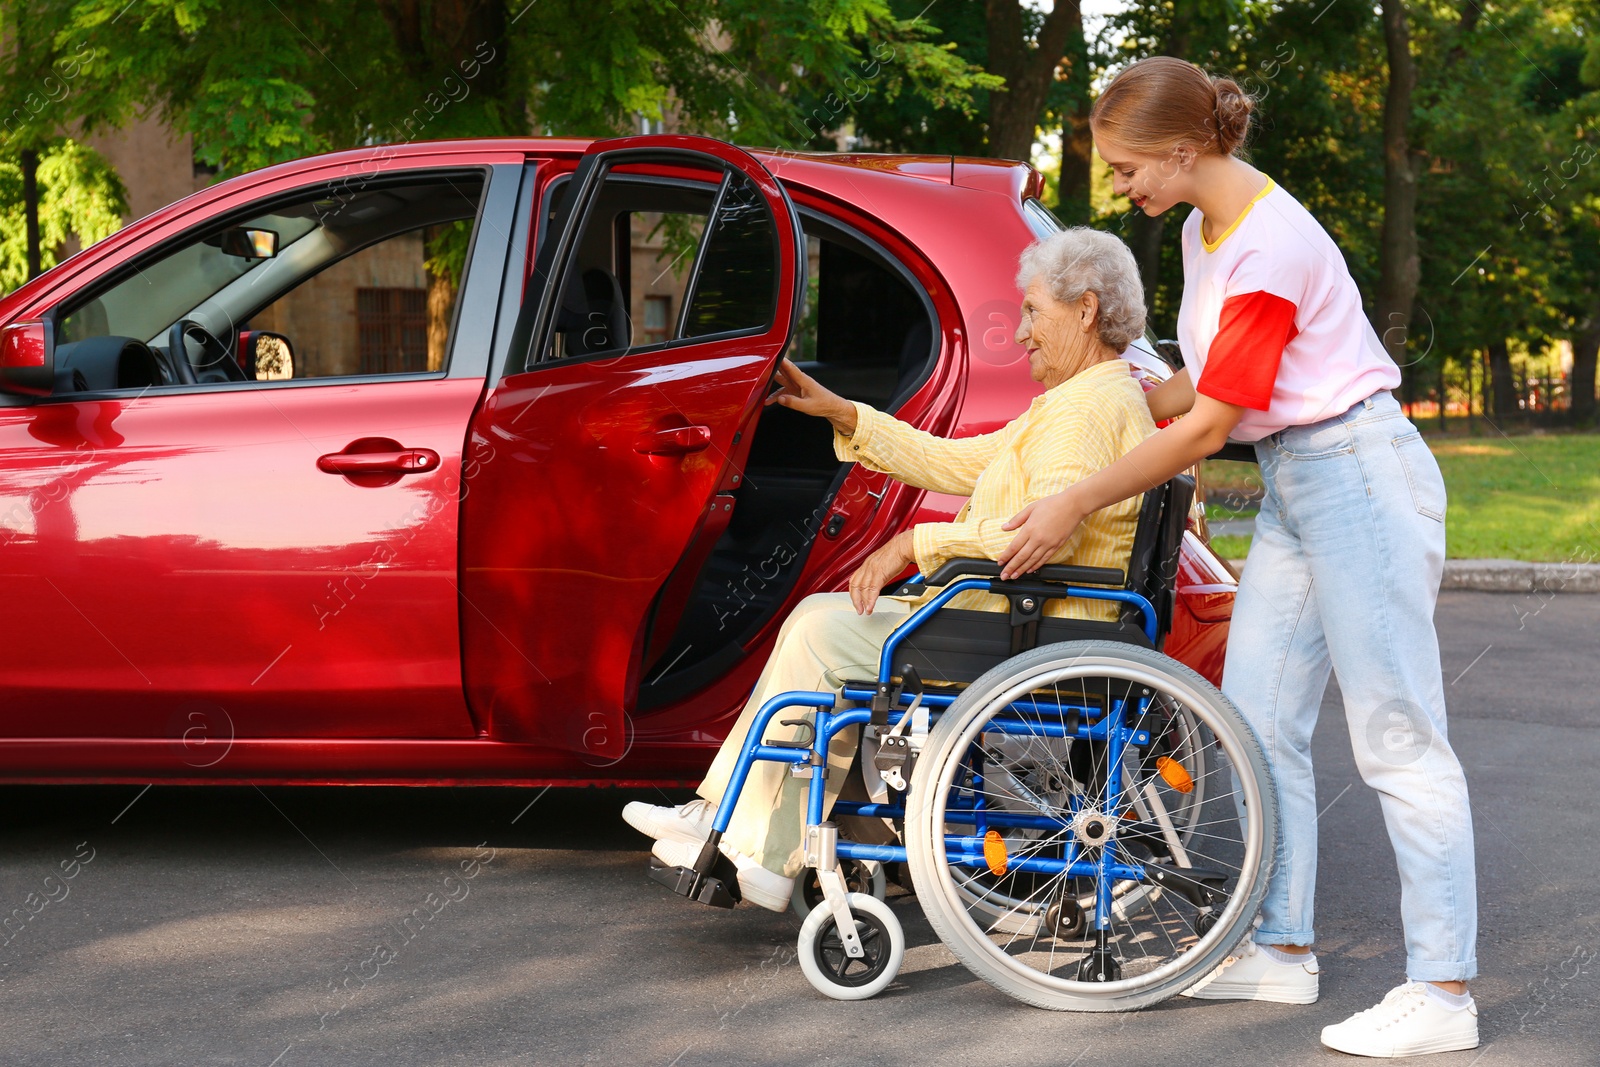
(1343, 575)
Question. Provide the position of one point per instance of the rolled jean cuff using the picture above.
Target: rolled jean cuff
(1440, 971)
(1273, 937)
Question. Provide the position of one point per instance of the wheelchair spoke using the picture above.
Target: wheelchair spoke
(1093, 903)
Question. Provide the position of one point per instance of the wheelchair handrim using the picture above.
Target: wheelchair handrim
(1099, 665)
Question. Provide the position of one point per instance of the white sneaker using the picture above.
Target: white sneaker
(1407, 1022)
(1254, 975)
(756, 884)
(686, 822)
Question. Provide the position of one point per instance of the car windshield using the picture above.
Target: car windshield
(167, 289)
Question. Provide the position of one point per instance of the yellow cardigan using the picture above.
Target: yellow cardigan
(1067, 433)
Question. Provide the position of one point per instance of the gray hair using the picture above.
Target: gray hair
(1082, 260)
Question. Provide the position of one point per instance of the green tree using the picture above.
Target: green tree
(1037, 71)
(1220, 35)
(1502, 197)
(261, 83)
(919, 122)
(57, 189)
(257, 84)
(79, 196)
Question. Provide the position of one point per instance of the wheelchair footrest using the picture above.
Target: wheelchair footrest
(706, 888)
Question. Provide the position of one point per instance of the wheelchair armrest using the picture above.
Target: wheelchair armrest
(1062, 573)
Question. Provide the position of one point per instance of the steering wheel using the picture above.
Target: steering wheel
(216, 362)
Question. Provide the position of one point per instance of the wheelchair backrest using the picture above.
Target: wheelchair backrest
(1157, 539)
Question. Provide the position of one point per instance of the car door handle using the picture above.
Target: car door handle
(678, 441)
(404, 461)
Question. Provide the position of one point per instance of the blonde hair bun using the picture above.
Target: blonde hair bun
(1233, 110)
(1156, 104)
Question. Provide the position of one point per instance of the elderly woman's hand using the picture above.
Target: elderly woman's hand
(879, 569)
(1042, 528)
(801, 392)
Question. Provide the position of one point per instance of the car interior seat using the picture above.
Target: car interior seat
(594, 313)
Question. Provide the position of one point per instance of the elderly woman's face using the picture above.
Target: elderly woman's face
(1060, 338)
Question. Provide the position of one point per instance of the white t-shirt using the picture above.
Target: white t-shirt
(1271, 319)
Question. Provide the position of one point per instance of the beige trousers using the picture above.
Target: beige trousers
(821, 644)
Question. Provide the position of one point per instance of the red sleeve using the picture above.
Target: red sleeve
(1252, 332)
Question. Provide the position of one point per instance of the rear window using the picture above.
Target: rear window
(1041, 220)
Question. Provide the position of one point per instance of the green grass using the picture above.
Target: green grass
(1532, 497)
(1224, 512)
(1233, 491)
(1529, 497)
(1229, 547)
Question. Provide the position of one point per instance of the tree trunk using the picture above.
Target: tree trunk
(1585, 351)
(442, 245)
(1077, 144)
(441, 298)
(1144, 233)
(452, 38)
(1077, 160)
(1144, 238)
(1444, 395)
(1502, 387)
(1399, 265)
(1472, 391)
(30, 208)
(1028, 70)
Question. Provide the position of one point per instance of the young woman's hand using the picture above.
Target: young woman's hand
(801, 392)
(1042, 528)
(878, 570)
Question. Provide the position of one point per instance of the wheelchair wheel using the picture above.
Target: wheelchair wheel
(837, 975)
(1003, 901)
(860, 876)
(1089, 827)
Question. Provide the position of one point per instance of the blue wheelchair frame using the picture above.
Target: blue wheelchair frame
(966, 850)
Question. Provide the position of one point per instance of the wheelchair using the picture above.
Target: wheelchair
(1087, 823)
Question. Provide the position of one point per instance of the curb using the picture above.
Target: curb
(1510, 576)
(1518, 576)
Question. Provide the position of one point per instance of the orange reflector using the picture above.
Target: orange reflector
(1173, 774)
(994, 852)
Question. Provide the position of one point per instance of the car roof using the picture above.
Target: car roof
(852, 177)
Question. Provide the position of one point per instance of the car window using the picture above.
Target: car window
(866, 330)
(339, 283)
(1041, 220)
(652, 266)
(736, 286)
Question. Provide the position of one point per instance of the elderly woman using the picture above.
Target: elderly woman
(1082, 307)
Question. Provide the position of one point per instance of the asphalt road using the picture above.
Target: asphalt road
(224, 926)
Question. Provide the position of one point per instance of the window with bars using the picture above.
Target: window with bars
(657, 318)
(393, 328)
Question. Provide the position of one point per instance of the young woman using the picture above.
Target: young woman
(1348, 551)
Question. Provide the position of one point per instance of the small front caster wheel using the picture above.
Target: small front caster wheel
(1100, 965)
(834, 973)
(1064, 919)
(860, 876)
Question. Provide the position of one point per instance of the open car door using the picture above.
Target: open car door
(662, 296)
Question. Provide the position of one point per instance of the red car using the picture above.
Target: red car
(447, 462)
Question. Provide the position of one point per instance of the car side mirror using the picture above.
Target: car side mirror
(27, 358)
(265, 357)
(246, 243)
